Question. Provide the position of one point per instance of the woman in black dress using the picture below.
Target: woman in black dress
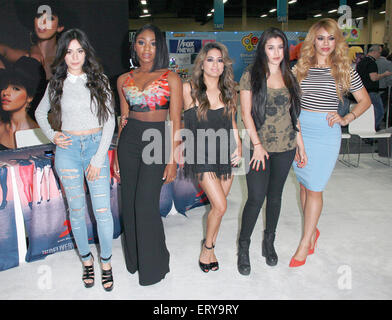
(210, 107)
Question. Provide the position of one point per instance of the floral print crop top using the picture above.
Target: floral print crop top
(156, 96)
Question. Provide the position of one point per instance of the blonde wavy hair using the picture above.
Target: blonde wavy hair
(338, 59)
(226, 82)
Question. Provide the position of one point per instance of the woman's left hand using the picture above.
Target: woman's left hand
(92, 173)
(301, 158)
(236, 156)
(334, 117)
(170, 173)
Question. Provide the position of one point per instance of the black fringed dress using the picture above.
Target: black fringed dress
(210, 149)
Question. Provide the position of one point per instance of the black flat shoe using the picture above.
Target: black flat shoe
(88, 272)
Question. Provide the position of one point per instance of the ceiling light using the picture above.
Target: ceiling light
(381, 12)
(272, 10)
(224, 1)
(292, 1)
(209, 14)
(264, 15)
(144, 2)
(360, 18)
(145, 16)
(145, 10)
(362, 2)
(317, 15)
(332, 11)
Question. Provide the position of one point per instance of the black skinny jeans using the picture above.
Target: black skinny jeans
(266, 183)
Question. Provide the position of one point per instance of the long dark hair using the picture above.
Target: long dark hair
(259, 74)
(161, 60)
(97, 82)
(226, 82)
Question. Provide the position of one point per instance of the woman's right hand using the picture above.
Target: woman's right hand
(260, 155)
(116, 167)
(62, 140)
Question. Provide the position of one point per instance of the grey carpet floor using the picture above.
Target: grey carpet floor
(352, 261)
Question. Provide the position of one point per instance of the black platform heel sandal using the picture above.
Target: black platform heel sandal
(88, 272)
(214, 264)
(205, 267)
(107, 277)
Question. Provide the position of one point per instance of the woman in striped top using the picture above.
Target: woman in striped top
(325, 75)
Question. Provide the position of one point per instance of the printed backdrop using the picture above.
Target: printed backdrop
(184, 46)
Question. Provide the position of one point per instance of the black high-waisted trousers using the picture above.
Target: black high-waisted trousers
(144, 238)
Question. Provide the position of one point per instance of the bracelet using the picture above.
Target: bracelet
(256, 144)
(353, 114)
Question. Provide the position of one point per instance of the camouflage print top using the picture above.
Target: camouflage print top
(277, 133)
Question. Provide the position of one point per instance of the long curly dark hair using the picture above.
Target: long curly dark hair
(97, 82)
(226, 82)
(259, 73)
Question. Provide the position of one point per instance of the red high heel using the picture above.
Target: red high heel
(311, 251)
(296, 263)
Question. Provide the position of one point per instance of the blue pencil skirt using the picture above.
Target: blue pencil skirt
(322, 145)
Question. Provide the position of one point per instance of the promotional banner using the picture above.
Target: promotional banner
(282, 10)
(28, 41)
(42, 202)
(183, 49)
(184, 46)
(9, 256)
(352, 34)
(219, 14)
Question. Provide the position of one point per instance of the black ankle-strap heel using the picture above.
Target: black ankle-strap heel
(107, 277)
(205, 267)
(214, 266)
(88, 272)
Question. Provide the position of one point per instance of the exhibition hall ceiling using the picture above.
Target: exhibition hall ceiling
(199, 10)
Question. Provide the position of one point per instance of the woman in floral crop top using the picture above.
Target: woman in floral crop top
(147, 94)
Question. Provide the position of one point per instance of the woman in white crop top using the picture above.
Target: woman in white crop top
(80, 98)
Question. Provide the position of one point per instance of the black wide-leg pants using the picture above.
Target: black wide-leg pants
(144, 238)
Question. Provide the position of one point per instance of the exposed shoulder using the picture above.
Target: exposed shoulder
(121, 78)
(174, 81)
(173, 77)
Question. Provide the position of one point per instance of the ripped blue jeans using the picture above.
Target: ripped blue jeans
(71, 165)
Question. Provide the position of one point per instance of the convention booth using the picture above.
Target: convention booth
(33, 211)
